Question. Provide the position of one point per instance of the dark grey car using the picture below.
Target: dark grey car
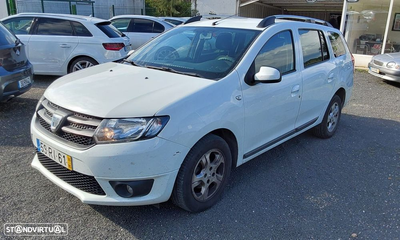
(16, 73)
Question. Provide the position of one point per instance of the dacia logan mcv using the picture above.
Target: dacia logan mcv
(173, 119)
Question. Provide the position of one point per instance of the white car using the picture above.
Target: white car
(139, 28)
(58, 44)
(172, 120)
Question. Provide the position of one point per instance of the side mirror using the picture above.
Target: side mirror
(268, 75)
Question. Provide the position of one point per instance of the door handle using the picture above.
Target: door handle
(331, 77)
(295, 90)
(64, 45)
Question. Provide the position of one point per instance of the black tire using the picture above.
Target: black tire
(208, 164)
(329, 124)
(166, 53)
(81, 63)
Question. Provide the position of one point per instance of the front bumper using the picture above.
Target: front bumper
(384, 73)
(157, 159)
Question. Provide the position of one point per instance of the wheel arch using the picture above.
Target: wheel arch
(76, 57)
(231, 140)
(341, 92)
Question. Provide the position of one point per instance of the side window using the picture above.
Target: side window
(142, 25)
(313, 45)
(19, 25)
(278, 53)
(50, 26)
(337, 44)
(121, 24)
(81, 30)
(158, 28)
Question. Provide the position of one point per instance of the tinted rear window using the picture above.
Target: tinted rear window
(51, 26)
(109, 30)
(6, 38)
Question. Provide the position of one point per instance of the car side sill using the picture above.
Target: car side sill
(278, 139)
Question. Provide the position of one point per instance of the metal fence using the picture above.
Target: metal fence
(100, 11)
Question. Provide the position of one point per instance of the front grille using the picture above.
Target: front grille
(76, 129)
(378, 63)
(78, 180)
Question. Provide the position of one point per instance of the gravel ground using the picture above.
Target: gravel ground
(346, 187)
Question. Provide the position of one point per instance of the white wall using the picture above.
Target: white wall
(220, 7)
(3, 9)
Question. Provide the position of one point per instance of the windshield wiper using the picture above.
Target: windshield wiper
(131, 62)
(167, 69)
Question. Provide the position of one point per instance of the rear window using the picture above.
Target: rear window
(6, 38)
(337, 44)
(109, 30)
(51, 26)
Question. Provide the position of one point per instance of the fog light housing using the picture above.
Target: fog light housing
(128, 189)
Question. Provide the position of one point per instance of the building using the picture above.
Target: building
(370, 27)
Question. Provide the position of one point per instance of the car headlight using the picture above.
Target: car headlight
(129, 129)
(391, 65)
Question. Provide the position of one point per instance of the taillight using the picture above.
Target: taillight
(113, 46)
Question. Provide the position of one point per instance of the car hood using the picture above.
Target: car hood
(114, 90)
(388, 57)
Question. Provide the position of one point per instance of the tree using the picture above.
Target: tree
(172, 8)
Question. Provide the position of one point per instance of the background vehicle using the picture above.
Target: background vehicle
(173, 125)
(175, 20)
(386, 66)
(140, 29)
(15, 69)
(58, 44)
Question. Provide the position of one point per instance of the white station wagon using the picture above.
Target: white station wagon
(172, 120)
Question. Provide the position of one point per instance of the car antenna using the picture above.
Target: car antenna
(219, 20)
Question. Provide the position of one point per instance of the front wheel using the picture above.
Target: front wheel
(203, 175)
(329, 123)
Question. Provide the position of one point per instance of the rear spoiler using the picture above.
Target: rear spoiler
(193, 19)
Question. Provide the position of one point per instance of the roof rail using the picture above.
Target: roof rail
(272, 19)
(193, 19)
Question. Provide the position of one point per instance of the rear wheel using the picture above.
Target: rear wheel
(81, 63)
(331, 119)
(203, 175)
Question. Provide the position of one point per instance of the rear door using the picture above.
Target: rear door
(51, 44)
(319, 75)
(141, 31)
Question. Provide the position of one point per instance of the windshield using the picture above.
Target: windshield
(198, 51)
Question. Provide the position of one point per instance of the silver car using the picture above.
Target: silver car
(386, 66)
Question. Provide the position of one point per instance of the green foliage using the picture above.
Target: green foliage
(172, 8)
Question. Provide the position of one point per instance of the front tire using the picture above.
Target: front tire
(203, 175)
(329, 124)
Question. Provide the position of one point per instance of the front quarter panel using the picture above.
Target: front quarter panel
(214, 107)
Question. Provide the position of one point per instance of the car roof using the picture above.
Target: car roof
(258, 23)
(60, 16)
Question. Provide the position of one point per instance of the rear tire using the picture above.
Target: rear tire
(203, 175)
(329, 124)
(81, 63)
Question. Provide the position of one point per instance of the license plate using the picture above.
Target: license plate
(24, 82)
(375, 70)
(59, 157)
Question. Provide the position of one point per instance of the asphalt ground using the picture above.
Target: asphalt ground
(346, 187)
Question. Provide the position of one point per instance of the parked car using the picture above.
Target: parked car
(386, 66)
(153, 128)
(140, 29)
(175, 20)
(15, 69)
(58, 44)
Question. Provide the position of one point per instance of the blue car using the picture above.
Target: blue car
(16, 73)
